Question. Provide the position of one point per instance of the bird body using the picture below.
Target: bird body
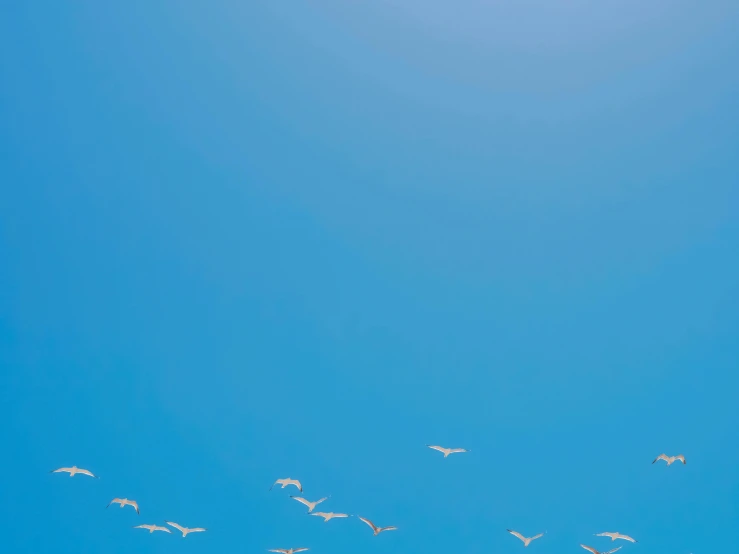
(446, 451)
(185, 530)
(594, 551)
(125, 502)
(377, 530)
(286, 482)
(526, 540)
(74, 470)
(311, 505)
(328, 515)
(152, 528)
(670, 459)
(614, 536)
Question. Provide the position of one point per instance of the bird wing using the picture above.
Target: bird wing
(299, 549)
(454, 450)
(135, 505)
(680, 457)
(593, 550)
(176, 526)
(540, 535)
(157, 528)
(319, 514)
(86, 472)
(296, 483)
(517, 534)
(114, 501)
(439, 448)
(661, 457)
(302, 500)
(197, 529)
(142, 526)
(368, 522)
(340, 515)
(390, 528)
(625, 537)
(279, 550)
(67, 469)
(604, 535)
(612, 551)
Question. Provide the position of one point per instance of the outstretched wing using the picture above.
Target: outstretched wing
(390, 528)
(612, 551)
(516, 534)
(86, 472)
(279, 551)
(540, 535)
(197, 530)
(339, 515)
(680, 457)
(593, 550)
(135, 506)
(439, 448)
(626, 537)
(662, 457)
(302, 500)
(157, 528)
(67, 469)
(297, 484)
(142, 526)
(605, 535)
(455, 450)
(299, 549)
(368, 522)
(114, 501)
(176, 526)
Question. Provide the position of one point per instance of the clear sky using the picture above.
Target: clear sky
(249, 240)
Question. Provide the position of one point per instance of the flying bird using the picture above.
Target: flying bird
(124, 502)
(594, 551)
(185, 530)
(287, 550)
(446, 451)
(311, 505)
(152, 528)
(286, 482)
(328, 515)
(670, 459)
(377, 530)
(526, 540)
(615, 536)
(73, 471)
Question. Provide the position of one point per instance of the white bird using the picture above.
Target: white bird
(287, 550)
(328, 515)
(526, 540)
(594, 551)
(446, 451)
(185, 530)
(73, 471)
(670, 459)
(311, 505)
(286, 482)
(124, 502)
(377, 530)
(152, 528)
(615, 536)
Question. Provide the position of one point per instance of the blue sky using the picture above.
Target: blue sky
(243, 241)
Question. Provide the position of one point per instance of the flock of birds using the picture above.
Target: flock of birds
(327, 516)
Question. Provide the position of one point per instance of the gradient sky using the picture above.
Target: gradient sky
(249, 240)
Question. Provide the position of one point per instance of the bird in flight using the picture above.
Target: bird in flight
(670, 459)
(615, 536)
(286, 482)
(185, 530)
(526, 540)
(446, 451)
(152, 528)
(594, 551)
(377, 530)
(124, 502)
(311, 505)
(328, 515)
(287, 550)
(73, 471)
